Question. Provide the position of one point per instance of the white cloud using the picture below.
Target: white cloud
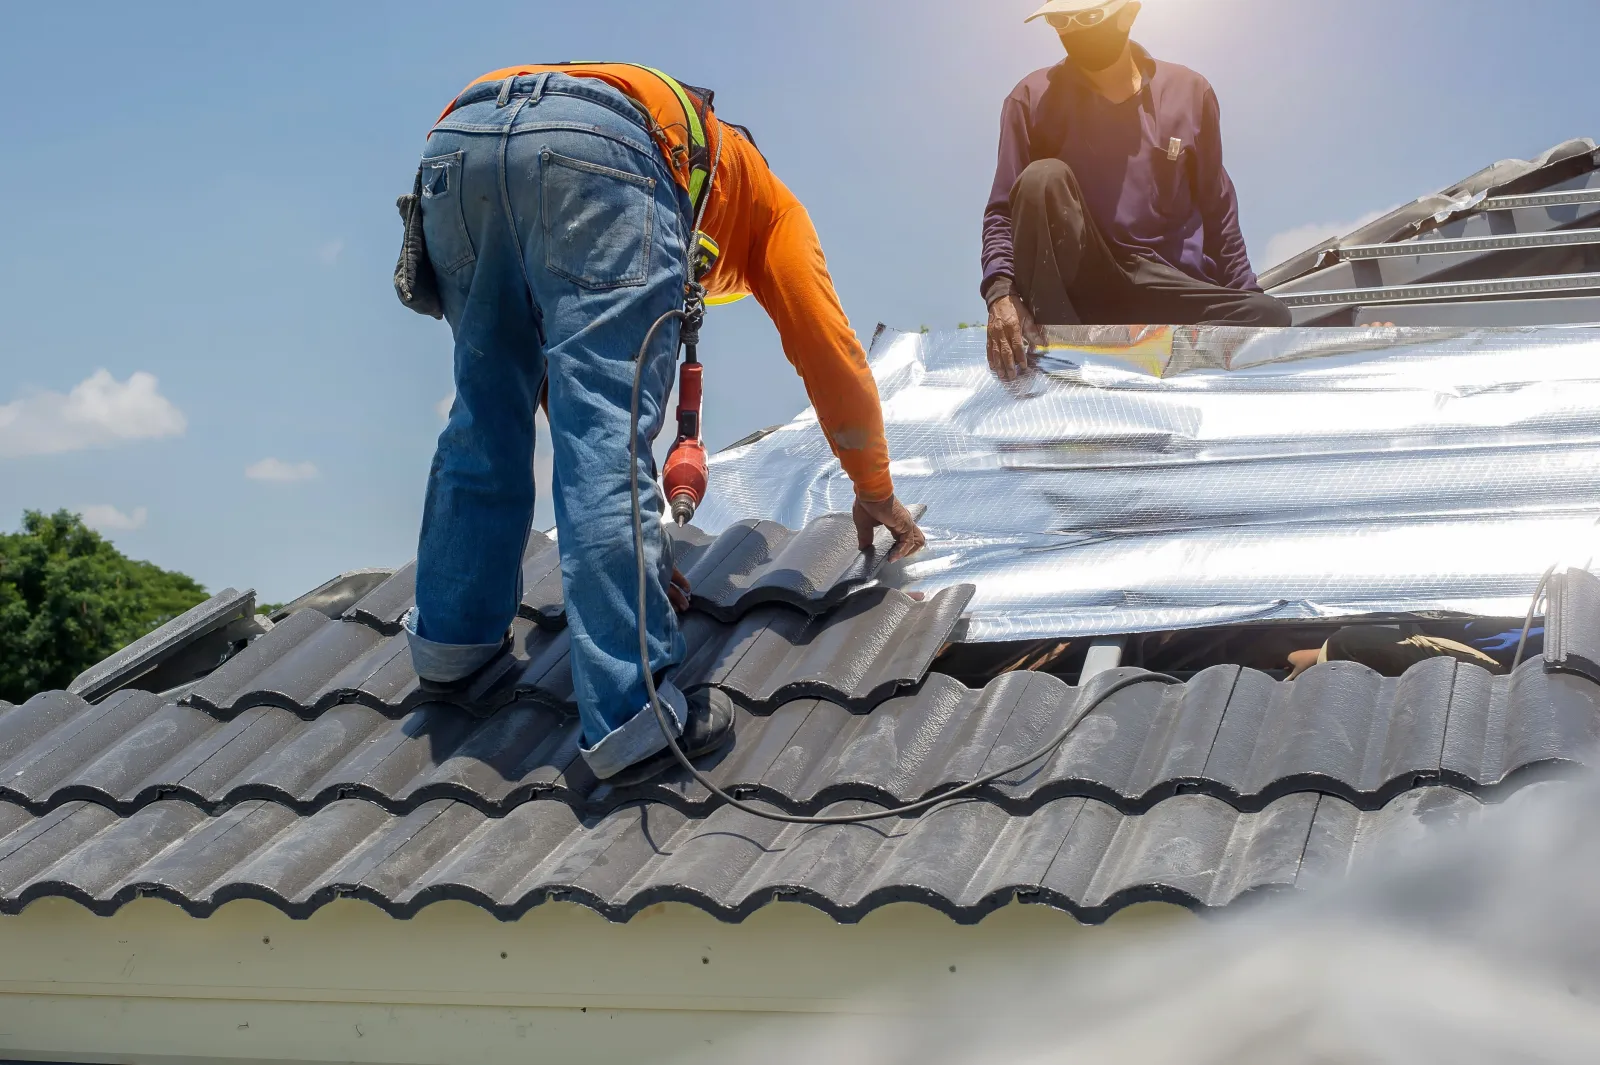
(442, 408)
(329, 253)
(103, 517)
(1292, 242)
(100, 411)
(271, 469)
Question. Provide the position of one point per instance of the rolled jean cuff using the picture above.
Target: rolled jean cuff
(640, 737)
(444, 662)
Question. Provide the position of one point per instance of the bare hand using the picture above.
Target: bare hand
(1013, 335)
(678, 592)
(892, 515)
(1300, 661)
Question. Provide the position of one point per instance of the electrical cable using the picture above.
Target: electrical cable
(1085, 704)
(690, 316)
(1533, 609)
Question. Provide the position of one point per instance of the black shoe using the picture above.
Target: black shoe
(468, 685)
(708, 730)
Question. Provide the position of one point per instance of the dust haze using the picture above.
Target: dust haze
(1481, 945)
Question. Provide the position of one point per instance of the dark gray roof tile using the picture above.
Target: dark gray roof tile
(1142, 745)
(876, 643)
(1537, 718)
(750, 564)
(965, 859)
(148, 651)
(858, 655)
(288, 666)
(1341, 722)
(1343, 838)
(1572, 644)
(385, 606)
(309, 766)
(755, 562)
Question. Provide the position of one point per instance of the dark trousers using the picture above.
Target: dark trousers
(1067, 274)
(1393, 649)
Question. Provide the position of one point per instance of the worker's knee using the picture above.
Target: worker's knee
(1044, 178)
(1264, 310)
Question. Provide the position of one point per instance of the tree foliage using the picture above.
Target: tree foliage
(68, 599)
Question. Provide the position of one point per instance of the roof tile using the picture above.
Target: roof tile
(965, 859)
(1142, 745)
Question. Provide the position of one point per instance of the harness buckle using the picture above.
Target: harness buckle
(703, 258)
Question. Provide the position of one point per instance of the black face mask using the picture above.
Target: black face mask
(1097, 48)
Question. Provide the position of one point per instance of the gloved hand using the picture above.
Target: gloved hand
(892, 514)
(1013, 335)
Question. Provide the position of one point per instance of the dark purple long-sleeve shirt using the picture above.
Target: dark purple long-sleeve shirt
(1183, 211)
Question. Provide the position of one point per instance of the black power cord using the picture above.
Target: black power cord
(691, 317)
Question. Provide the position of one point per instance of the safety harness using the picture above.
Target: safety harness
(696, 104)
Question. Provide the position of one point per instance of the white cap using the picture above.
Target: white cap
(1077, 7)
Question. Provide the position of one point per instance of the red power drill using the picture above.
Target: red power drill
(685, 475)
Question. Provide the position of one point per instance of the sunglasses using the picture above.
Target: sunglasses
(1078, 20)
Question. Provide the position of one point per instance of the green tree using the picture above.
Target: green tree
(68, 599)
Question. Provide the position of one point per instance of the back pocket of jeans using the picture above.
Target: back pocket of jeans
(596, 222)
(444, 224)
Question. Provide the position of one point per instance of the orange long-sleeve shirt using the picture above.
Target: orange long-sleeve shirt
(771, 250)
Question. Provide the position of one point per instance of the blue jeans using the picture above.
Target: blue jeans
(558, 235)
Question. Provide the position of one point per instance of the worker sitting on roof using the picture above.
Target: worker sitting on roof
(1110, 203)
(558, 207)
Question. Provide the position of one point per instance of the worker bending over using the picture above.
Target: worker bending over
(558, 205)
(1110, 203)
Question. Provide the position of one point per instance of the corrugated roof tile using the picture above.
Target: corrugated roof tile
(749, 564)
(878, 641)
(965, 859)
(1144, 744)
(308, 766)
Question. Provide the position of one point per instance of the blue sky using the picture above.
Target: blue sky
(198, 201)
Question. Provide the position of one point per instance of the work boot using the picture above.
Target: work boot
(465, 687)
(709, 729)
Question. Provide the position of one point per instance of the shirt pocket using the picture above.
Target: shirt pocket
(1171, 177)
(444, 223)
(597, 222)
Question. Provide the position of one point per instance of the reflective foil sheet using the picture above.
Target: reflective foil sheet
(1157, 478)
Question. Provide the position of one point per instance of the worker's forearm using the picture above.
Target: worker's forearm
(862, 451)
(998, 236)
(845, 397)
(998, 250)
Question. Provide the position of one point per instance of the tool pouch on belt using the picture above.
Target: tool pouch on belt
(414, 280)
